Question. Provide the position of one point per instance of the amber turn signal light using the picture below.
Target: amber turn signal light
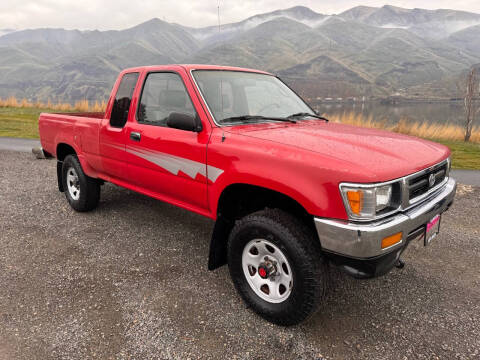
(391, 240)
(355, 199)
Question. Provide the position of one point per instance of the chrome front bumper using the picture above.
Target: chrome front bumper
(363, 241)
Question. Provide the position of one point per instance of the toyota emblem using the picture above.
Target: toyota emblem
(431, 180)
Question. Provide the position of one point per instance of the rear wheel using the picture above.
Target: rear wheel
(277, 267)
(81, 191)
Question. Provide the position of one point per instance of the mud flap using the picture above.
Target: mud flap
(218, 245)
(59, 176)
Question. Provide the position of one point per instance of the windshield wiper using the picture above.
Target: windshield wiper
(257, 117)
(305, 114)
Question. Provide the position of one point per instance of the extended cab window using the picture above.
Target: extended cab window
(123, 99)
(163, 93)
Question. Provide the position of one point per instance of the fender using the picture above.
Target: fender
(216, 191)
(270, 165)
(87, 168)
(265, 196)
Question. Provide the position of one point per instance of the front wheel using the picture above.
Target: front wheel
(81, 191)
(277, 267)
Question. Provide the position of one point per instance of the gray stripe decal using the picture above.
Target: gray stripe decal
(174, 164)
(213, 173)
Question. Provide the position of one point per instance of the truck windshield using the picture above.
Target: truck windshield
(236, 96)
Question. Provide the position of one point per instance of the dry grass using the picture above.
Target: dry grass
(448, 132)
(20, 119)
(424, 130)
(80, 106)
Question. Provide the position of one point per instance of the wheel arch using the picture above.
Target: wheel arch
(63, 150)
(238, 200)
(253, 198)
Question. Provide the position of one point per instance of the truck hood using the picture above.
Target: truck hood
(381, 154)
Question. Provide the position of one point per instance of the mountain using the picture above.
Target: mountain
(270, 46)
(69, 65)
(427, 23)
(5, 31)
(227, 31)
(467, 39)
(364, 51)
(358, 13)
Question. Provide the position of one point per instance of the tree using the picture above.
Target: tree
(471, 91)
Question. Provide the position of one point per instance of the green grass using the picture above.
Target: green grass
(23, 123)
(20, 122)
(464, 155)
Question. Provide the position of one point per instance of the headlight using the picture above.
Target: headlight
(383, 197)
(366, 202)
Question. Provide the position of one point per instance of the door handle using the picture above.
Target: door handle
(135, 136)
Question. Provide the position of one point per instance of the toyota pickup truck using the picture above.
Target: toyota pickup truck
(291, 194)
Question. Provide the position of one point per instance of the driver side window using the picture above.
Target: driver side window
(163, 93)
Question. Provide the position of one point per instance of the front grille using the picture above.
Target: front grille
(420, 184)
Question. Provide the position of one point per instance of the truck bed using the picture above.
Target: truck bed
(76, 129)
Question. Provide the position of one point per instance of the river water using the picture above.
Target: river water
(444, 113)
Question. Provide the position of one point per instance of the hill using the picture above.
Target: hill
(364, 51)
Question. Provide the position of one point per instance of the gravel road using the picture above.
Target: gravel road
(17, 144)
(129, 281)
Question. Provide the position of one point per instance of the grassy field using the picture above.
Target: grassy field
(448, 132)
(464, 155)
(18, 121)
(19, 118)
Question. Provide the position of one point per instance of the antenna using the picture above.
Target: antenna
(221, 80)
(218, 13)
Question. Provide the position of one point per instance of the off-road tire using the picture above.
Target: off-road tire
(302, 249)
(89, 187)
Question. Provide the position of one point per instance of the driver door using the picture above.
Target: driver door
(165, 162)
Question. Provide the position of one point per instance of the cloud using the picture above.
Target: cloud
(120, 14)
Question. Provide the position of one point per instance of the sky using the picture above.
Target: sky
(121, 14)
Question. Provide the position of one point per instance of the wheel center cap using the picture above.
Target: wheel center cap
(266, 269)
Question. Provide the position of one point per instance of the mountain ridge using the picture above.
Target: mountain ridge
(363, 51)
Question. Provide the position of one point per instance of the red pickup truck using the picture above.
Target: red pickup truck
(291, 193)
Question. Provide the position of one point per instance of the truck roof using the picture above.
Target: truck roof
(189, 67)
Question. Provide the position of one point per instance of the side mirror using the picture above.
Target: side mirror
(184, 121)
